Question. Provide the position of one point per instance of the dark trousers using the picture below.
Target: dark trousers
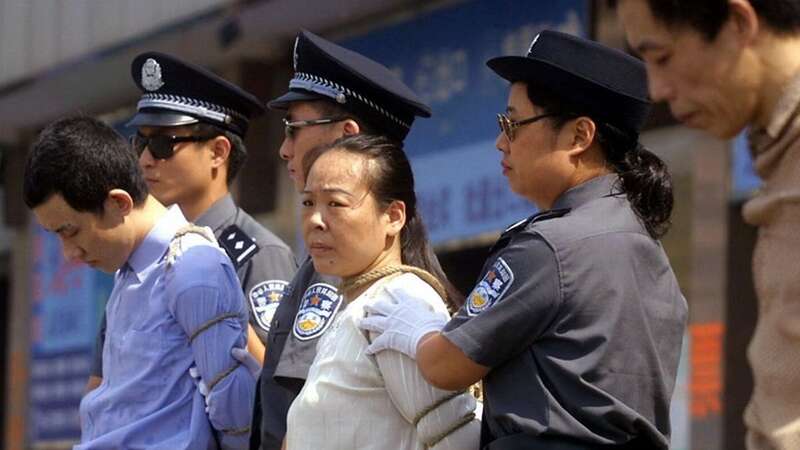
(529, 442)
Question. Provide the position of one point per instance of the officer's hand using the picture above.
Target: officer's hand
(201, 385)
(402, 321)
(247, 360)
(212, 408)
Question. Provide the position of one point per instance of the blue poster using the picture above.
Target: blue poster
(67, 300)
(442, 57)
(745, 181)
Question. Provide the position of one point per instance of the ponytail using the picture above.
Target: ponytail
(644, 178)
(417, 251)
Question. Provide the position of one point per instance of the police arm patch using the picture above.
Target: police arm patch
(491, 288)
(264, 299)
(318, 307)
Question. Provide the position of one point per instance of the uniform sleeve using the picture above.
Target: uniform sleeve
(273, 262)
(517, 298)
(205, 299)
(444, 420)
(97, 357)
(267, 274)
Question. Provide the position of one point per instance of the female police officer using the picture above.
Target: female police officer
(575, 325)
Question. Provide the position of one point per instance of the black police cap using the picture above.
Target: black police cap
(179, 93)
(609, 84)
(326, 71)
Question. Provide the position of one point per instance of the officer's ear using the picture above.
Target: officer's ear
(350, 127)
(220, 151)
(581, 133)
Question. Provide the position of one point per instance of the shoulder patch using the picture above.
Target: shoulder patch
(239, 246)
(491, 288)
(319, 305)
(264, 298)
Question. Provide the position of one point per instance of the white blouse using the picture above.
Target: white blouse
(352, 400)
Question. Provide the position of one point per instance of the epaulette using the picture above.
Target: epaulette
(239, 246)
(176, 247)
(538, 217)
(548, 215)
(516, 225)
(506, 235)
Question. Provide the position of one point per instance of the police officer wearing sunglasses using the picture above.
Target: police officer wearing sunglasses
(576, 323)
(190, 130)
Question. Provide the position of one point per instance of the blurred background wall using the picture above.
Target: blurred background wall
(61, 57)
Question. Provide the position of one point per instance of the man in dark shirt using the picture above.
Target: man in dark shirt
(335, 92)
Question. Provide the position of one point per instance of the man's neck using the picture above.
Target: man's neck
(780, 59)
(145, 218)
(196, 207)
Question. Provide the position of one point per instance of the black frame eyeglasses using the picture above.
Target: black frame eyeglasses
(507, 126)
(162, 146)
(290, 127)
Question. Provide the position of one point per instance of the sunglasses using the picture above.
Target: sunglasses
(507, 126)
(290, 128)
(162, 146)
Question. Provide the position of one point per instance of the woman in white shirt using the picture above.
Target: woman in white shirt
(360, 223)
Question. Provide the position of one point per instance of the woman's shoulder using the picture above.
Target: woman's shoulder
(598, 218)
(410, 285)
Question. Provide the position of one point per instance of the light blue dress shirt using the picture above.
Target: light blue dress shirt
(147, 398)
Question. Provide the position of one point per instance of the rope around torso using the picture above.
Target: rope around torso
(354, 283)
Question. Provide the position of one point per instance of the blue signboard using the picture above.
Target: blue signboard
(66, 304)
(442, 57)
(745, 180)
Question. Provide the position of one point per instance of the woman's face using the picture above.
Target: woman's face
(536, 162)
(346, 231)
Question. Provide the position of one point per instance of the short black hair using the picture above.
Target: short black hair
(708, 16)
(81, 159)
(238, 154)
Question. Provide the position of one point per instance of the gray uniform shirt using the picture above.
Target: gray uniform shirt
(263, 273)
(309, 305)
(580, 318)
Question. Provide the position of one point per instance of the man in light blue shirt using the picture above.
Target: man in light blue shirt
(176, 303)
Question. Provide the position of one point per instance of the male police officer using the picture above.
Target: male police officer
(334, 92)
(191, 124)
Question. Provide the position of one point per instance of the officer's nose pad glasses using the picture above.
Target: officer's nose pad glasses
(290, 128)
(507, 126)
(162, 146)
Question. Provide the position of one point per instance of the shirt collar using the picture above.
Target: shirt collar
(218, 214)
(155, 244)
(784, 109)
(595, 188)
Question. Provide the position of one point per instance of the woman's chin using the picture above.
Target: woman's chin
(326, 266)
(333, 268)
